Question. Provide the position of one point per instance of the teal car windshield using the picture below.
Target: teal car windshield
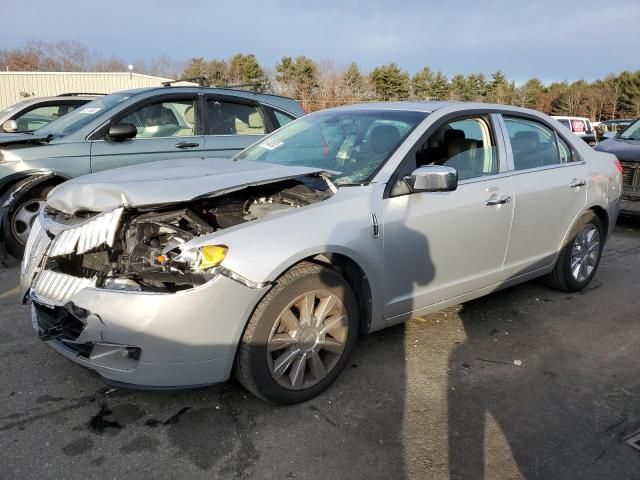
(82, 115)
(355, 143)
(632, 132)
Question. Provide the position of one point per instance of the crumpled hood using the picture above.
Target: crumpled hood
(166, 181)
(625, 150)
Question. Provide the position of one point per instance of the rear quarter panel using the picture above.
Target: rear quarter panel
(605, 183)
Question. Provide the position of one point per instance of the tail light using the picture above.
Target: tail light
(618, 165)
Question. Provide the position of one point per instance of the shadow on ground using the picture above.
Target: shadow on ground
(525, 383)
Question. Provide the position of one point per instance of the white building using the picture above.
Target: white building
(17, 86)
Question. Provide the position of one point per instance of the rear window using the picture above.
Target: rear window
(577, 126)
(282, 118)
(535, 145)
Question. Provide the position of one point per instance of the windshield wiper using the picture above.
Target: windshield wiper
(48, 138)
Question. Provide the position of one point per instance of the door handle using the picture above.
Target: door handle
(577, 183)
(498, 200)
(187, 145)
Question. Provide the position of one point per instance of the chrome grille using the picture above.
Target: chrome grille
(37, 245)
(630, 178)
(97, 231)
(55, 288)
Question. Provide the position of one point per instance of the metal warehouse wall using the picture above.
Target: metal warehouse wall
(44, 84)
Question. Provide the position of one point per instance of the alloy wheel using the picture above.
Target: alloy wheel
(307, 340)
(585, 253)
(24, 217)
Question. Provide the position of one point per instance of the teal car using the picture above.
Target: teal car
(127, 128)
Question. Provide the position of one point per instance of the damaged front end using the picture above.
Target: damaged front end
(149, 248)
(146, 251)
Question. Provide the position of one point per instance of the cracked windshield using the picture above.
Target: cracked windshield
(356, 144)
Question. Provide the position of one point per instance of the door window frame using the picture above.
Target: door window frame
(266, 119)
(495, 131)
(100, 132)
(576, 158)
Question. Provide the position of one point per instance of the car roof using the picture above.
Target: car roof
(220, 90)
(619, 120)
(430, 106)
(278, 101)
(32, 101)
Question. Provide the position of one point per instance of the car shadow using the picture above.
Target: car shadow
(514, 385)
(534, 393)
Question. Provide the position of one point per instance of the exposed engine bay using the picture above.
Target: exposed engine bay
(149, 250)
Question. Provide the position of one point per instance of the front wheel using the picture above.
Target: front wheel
(300, 336)
(580, 257)
(21, 216)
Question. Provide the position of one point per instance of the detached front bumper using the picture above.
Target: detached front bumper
(160, 340)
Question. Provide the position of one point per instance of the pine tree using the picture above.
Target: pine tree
(421, 83)
(197, 67)
(390, 83)
(353, 81)
(440, 87)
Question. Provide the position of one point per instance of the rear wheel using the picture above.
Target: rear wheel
(299, 337)
(580, 257)
(21, 217)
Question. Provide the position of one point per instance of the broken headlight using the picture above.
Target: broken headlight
(155, 254)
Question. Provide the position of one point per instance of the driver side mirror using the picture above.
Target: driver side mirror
(432, 178)
(10, 126)
(121, 131)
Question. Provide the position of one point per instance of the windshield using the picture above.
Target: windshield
(82, 115)
(632, 132)
(355, 143)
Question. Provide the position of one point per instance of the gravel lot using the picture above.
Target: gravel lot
(525, 383)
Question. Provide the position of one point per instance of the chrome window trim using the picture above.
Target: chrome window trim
(149, 138)
(575, 155)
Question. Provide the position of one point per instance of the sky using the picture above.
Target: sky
(553, 40)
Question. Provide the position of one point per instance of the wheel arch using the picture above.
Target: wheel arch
(15, 188)
(24, 179)
(603, 216)
(599, 212)
(357, 279)
(352, 270)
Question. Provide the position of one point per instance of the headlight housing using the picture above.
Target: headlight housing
(209, 256)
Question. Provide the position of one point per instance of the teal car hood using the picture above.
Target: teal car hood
(18, 139)
(168, 181)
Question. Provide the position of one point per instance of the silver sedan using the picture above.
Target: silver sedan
(268, 265)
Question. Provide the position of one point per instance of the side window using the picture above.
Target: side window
(467, 145)
(282, 118)
(533, 144)
(163, 119)
(227, 118)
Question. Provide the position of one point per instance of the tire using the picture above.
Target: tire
(580, 244)
(21, 217)
(271, 336)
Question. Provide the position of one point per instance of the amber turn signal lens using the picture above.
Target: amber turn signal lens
(212, 256)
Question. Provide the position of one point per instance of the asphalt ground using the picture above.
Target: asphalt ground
(524, 383)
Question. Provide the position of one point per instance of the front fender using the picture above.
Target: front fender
(13, 195)
(262, 250)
